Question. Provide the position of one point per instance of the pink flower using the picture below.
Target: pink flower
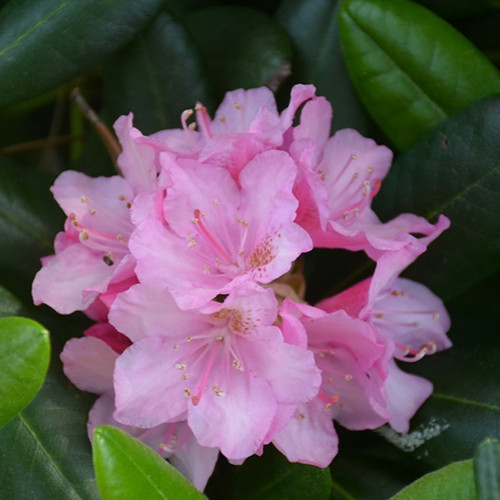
(92, 251)
(407, 317)
(339, 177)
(89, 363)
(354, 368)
(227, 367)
(219, 235)
(399, 309)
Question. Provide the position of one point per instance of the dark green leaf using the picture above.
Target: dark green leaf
(487, 470)
(456, 9)
(157, 76)
(241, 47)
(411, 69)
(9, 305)
(271, 477)
(44, 44)
(453, 481)
(24, 360)
(456, 171)
(44, 452)
(29, 220)
(127, 469)
(318, 59)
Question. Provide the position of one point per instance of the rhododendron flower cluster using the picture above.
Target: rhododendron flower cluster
(188, 263)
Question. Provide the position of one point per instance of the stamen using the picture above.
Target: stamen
(203, 120)
(203, 382)
(411, 355)
(197, 221)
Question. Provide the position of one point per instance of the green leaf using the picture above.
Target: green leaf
(241, 47)
(271, 477)
(45, 44)
(456, 171)
(45, 452)
(411, 69)
(9, 305)
(453, 481)
(487, 470)
(318, 59)
(24, 360)
(157, 76)
(127, 469)
(29, 220)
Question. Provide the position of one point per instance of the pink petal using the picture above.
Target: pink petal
(405, 394)
(137, 160)
(149, 388)
(108, 334)
(240, 108)
(100, 204)
(62, 280)
(144, 311)
(89, 363)
(309, 437)
(238, 420)
(195, 462)
(410, 314)
(290, 370)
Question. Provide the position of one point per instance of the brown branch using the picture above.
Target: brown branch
(102, 129)
(39, 144)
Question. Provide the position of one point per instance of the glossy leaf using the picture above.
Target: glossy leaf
(411, 69)
(241, 47)
(45, 452)
(45, 44)
(9, 305)
(24, 360)
(29, 220)
(127, 469)
(313, 28)
(157, 76)
(456, 171)
(487, 470)
(453, 481)
(271, 477)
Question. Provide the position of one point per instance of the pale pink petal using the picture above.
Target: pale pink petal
(149, 388)
(405, 394)
(99, 205)
(315, 120)
(309, 437)
(89, 362)
(231, 151)
(290, 370)
(268, 208)
(157, 249)
(240, 108)
(62, 280)
(299, 94)
(237, 417)
(137, 160)
(411, 315)
(195, 462)
(144, 311)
